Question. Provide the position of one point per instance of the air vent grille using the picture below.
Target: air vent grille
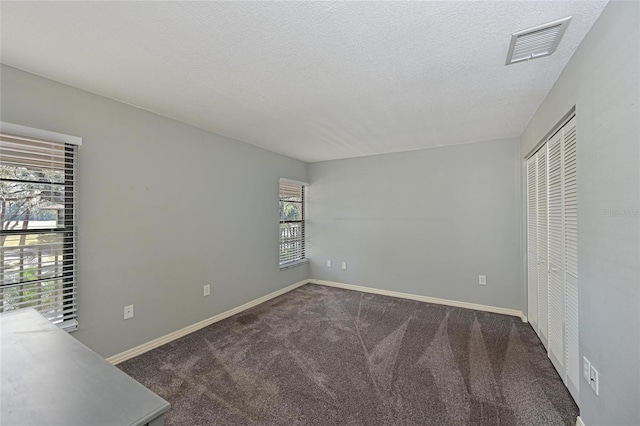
(536, 42)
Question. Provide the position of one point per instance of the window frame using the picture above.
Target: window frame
(67, 319)
(303, 224)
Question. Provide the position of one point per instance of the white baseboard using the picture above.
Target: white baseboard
(139, 350)
(145, 347)
(455, 303)
(579, 422)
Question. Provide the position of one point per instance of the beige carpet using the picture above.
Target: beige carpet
(327, 356)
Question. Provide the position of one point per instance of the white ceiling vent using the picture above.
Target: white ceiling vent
(536, 42)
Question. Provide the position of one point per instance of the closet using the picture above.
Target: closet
(552, 251)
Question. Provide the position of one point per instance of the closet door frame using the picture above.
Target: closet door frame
(564, 350)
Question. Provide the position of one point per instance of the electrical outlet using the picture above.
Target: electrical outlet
(207, 289)
(328, 264)
(594, 379)
(586, 369)
(128, 311)
(344, 265)
(482, 279)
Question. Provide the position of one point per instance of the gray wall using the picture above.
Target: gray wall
(164, 209)
(424, 222)
(602, 81)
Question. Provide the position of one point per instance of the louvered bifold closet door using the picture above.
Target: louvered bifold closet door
(572, 354)
(532, 244)
(556, 253)
(543, 287)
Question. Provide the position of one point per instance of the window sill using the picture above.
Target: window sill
(293, 264)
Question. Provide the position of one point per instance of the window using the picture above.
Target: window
(292, 216)
(38, 199)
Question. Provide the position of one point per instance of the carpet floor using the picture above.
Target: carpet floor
(326, 356)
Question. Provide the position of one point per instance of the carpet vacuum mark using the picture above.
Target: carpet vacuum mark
(327, 356)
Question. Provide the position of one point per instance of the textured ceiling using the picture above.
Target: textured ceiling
(311, 80)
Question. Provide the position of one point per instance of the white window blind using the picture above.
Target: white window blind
(38, 252)
(292, 223)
